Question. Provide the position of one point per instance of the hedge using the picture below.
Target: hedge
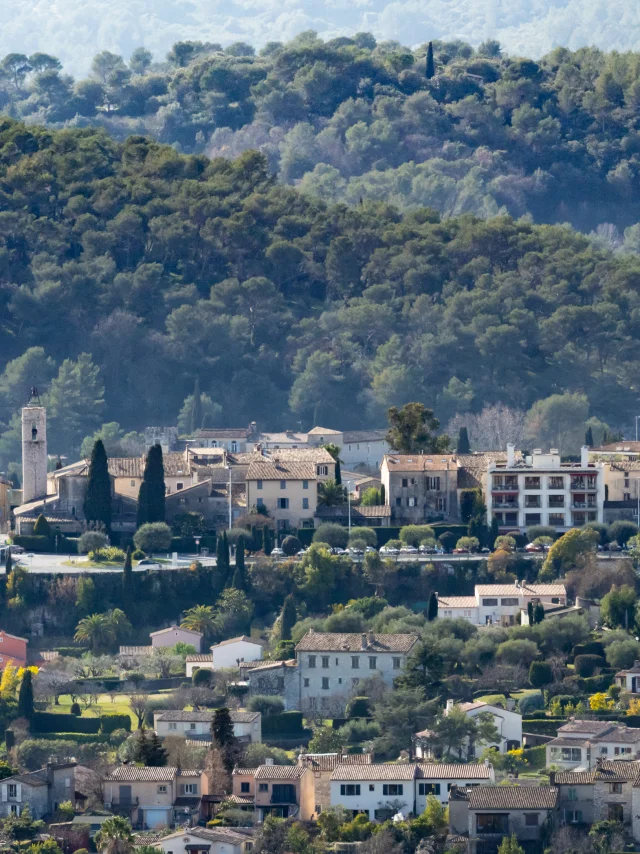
(71, 651)
(287, 723)
(187, 545)
(588, 648)
(50, 722)
(35, 543)
(546, 727)
(595, 684)
(109, 723)
(586, 665)
(536, 757)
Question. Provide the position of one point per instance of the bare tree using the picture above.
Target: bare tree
(216, 771)
(502, 678)
(492, 429)
(50, 684)
(138, 703)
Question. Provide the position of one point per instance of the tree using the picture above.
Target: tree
(223, 563)
(331, 494)
(288, 618)
(617, 608)
(97, 501)
(471, 504)
(42, 527)
(25, 696)
(153, 537)
(97, 630)
(140, 60)
(463, 442)
(115, 836)
(372, 497)
(540, 674)
(455, 734)
(558, 421)
(509, 845)
(201, 618)
(567, 552)
(223, 737)
(8, 563)
(621, 531)
(424, 667)
(92, 541)
(75, 403)
(588, 437)
(333, 535)
(291, 546)
(325, 739)
(127, 578)
(413, 429)
(152, 492)
(430, 72)
(432, 608)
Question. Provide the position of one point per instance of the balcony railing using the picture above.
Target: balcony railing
(583, 483)
(505, 485)
(505, 505)
(582, 505)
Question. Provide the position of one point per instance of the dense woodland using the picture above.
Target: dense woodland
(351, 119)
(130, 271)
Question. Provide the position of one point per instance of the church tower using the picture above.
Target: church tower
(34, 449)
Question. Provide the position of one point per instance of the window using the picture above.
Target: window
(532, 483)
(325, 683)
(620, 751)
(616, 813)
(372, 787)
(182, 501)
(373, 662)
(532, 518)
(615, 788)
(489, 602)
(67, 782)
(258, 484)
(428, 788)
(398, 501)
(283, 484)
(405, 482)
(132, 483)
(325, 662)
(604, 750)
(355, 662)
(349, 791)
(318, 809)
(260, 503)
(556, 483)
(556, 501)
(323, 469)
(234, 447)
(14, 809)
(411, 502)
(12, 790)
(392, 790)
(306, 683)
(531, 819)
(556, 520)
(283, 503)
(191, 788)
(311, 662)
(433, 484)
(511, 600)
(179, 485)
(173, 726)
(497, 823)
(245, 788)
(441, 504)
(566, 754)
(305, 484)
(162, 789)
(397, 663)
(573, 816)
(532, 501)
(305, 503)
(313, 703)
(572, 794)
(263, 787)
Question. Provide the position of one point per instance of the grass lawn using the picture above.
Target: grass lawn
(492, 699)
(104, 706)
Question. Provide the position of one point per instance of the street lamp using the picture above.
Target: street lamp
(197, 541)
(229, 467)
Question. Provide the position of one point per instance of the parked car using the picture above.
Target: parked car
(534, 547)
(408, 550)
(485, 551)
(301, 553)
(389, 550)
(461, 551)
(16, 550)
(148, 563)
(427, 550)
(370, 549)
(355, 552)
(277, 552)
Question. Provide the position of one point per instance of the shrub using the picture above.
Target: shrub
(202, 676)
(369, 606)
(536, 531)
(75, 709)
(517, 652)
(42, 527)
(111, 554)
(334, 535)
(291, 546)
(602, 529)
(44, 722)
(622, 654)
(366, 534)
(413, 534)
(470, 543)
(588, 648)
(359, 707)
(447, 540)
(153, 537)
(529, 704)
(540, 674)
(586, 665)
(267, 706)
(394, 544)
(110, 724)
(287, 723)
(138, 554)
(358, 730)
(256, 754)
(91, 541)
(357, 544)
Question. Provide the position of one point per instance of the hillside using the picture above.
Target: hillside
(351, 119)
(75, 31)
(129, 271)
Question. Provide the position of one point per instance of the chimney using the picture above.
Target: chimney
(511, 705)
(450, 704)
(584, 455)
(269, 761)
(371, 638)
(511, 455)
(363, 641)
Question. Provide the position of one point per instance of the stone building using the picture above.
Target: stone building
(420, 487)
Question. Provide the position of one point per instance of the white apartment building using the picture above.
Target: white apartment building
(542, 490)
(579, 744)
(330, 665)
(506, 721)
(499, 604)
(247, 726)
(380, 791)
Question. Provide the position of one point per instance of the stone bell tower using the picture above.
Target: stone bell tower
(34, 449)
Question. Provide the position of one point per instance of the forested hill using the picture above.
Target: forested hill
(351, 119)
(128, 271)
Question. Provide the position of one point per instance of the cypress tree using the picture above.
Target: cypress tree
(223, 737)
(152, 489)
(8, 563)
(431, 68)
(196, 408)
(222, 556)
(288, 618)
(42, 527)
(156, 755)
(127, 578)
(539, 612)
(97, 501)
(239, 576)
(530, 613)
(383, 494)
(494, 532)
(25, 697)
(588, 438)
(338, 477)
(463, 441)
(267, 541)
(432, 609)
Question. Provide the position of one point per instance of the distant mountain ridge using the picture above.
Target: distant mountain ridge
(75, 30)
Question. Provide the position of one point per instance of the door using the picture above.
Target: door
(125, 796)
(154, 819)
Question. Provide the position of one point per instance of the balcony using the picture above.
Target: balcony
(123, 806)
(506, 484)
(582, 483)
(499, 504)
(584, 505)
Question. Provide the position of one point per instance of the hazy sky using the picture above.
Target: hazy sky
(74, 30)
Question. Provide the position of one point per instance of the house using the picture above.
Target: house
(13, 650)
(579, 744)
(153, 798)
(618, 451)
(166, 437)
(247, 726)
(420, 487)
(507, 722)
(374, 515)
(357, 483)
(233, 439)
(629, 680)
(604, 793)
(621, 477)
(229, 653)
(285, 484)
(364, 449)
(175, 634)
(382, 790)
(499, 604)
(204, 840)
(322, 766)
(41, 790)
(542, 490)
(490, 813)
(284, 791)
(331, 664)
(274, 679)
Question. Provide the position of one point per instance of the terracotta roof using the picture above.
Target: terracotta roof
(148, 837)
(136, 774)
(330, 761)
(513, 798)
(617, 771)
(524, 589)
(198, 657)
(568, 742)
(624, 445)
(206, 717)
(351, 436)
(621, 734)
(281, 470)
(373, 511)
(420, 462)
(453, 771)
(173, 629)
(244, 638)
(250, 666)
(469, 707)
(279, 772)
(238, 799)
(574, 778)
(243, 772)
(214, 834)
(300, 438)
(135, 650)
(382, 771)
(586, 727)
(355, 642)
(324, 431)
(457, 602)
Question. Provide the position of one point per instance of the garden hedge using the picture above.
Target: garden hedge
(287, 723)
(50, 722)
(110, 723)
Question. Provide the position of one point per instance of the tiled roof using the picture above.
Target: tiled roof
(457, 602)
(469, 707)
(174, 464)
(206, 717)
(355, 642)
(624, 445)
(279, 772)
(214, 834)
(173, 629)
(420, 462)
(135, 650)
(586, 727)
(617, 771)
(330, 761)
(324, 431)
(453, 771)
(238, 799)
(382, 771)
(574, 778)
(281, 470)
(222, 433)
(136, 774)
(250, 666)
(374, 511)
(621, 734)
(201, 656)
(299, 438)
(244, 638)
(244, 772)
(524, 589)
(148, 837)
(351, 436)
(513, 798)
(568, 742)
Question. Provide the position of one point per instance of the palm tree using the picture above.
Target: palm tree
(96, 629)
(114, 836)
(200, 618)
(331, 494)
(119, 623)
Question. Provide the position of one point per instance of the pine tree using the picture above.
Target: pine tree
(25, 697)
(156, 755)
(288, 618)
(97, 501)
(127, 578)
(432, 609)
(141, 747)
(431, 68)
(463, 441)
(152, 489)
(588, 438)
(196, 409)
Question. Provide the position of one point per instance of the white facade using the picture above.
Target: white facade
(364, 448)
(199, 840)
(579, 744)
(230, 652)
(247, 726)
(499, 604)
(176, 634)
(541, 490)
(34, 453)
(507, 722)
